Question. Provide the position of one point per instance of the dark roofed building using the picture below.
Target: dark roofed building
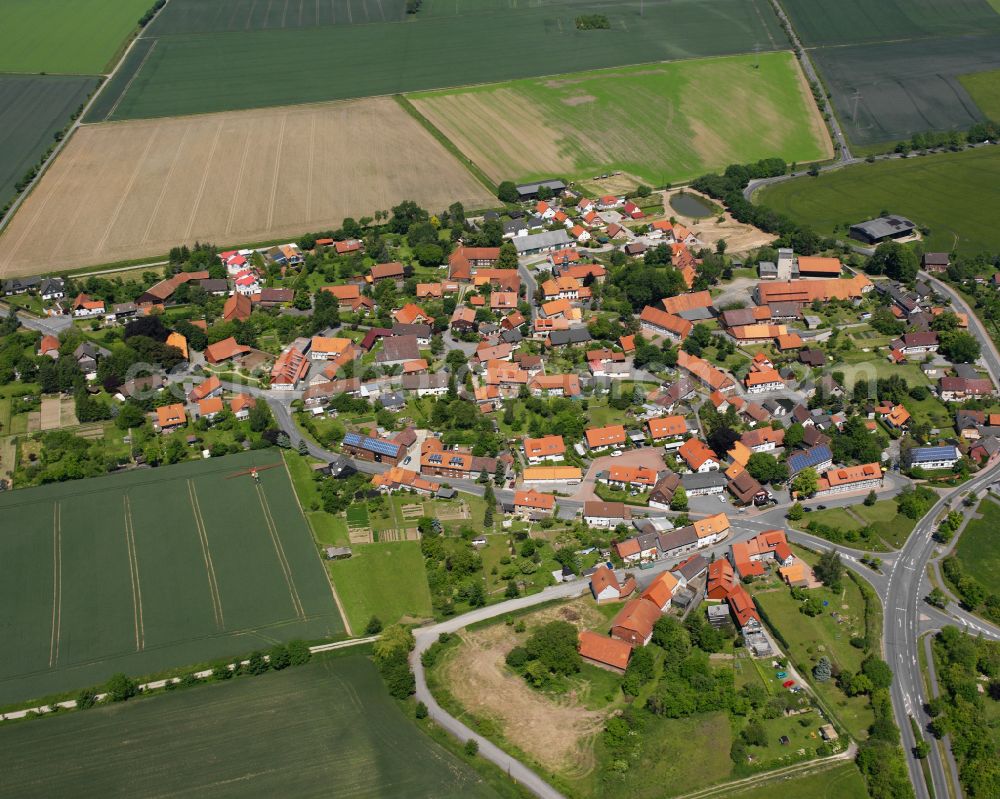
(529, 191)
(575, 335)
(884, 228)
(399, 349)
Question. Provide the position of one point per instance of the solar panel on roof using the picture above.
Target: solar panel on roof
(455, 462)
(434, 459)
(352, 438)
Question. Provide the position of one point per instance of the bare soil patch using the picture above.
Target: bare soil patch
(558, 732)
(580, 99)
(126, 190)
(740, 238)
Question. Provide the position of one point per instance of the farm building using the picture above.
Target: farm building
(885, 228)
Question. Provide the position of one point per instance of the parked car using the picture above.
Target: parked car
(788, 683)
(407, 459)
(821, 507)
(616, 454)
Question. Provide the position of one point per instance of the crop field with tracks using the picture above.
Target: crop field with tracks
(328, 728)
(32, 109)
(154, 569)
(200, 60)
(894, 67)
(129, 190)
(656, 122)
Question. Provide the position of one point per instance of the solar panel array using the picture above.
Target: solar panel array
(375, 445)
(812, 457)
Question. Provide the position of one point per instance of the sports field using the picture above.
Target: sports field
(152, 570)
(129, 190)
(893, 66)
(984, 88)
(67, 36)
(32, 109)
(954, 195)
(324, 729)
(656, 122)
(448, 43)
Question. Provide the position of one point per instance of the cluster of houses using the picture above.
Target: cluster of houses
(206, 400)
(720, 583)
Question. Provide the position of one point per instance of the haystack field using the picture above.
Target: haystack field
(127, 190)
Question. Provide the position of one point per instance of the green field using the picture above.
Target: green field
(951, 194)
(153, 570)
(197, 16)
(385, 580)
(827, 22)
(977, 548)
(657, 122)
(324, 729)
(984, 87)
(65, 36)
(903, 58)
(458, 42)
(840, 782)
(32, 109)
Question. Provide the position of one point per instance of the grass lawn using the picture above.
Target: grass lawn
(977, 548)
(656, 122)
(950, 194)
(329, 722)
(809, 638)
(152, 570)
(842, 781)
(385, 580)
(985, 90)
(891, 525)
(69, 36)
(444, 45)
(327, 528)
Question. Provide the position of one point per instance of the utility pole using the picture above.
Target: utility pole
(756, 56)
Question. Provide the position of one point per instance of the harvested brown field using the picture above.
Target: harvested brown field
(556, 732)
(128, 190)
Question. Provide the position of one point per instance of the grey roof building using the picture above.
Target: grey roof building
(542, 242)
(529, 191)
(882, 229)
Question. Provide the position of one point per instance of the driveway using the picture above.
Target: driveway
(644, 456)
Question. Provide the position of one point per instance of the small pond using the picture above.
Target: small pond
(691, 205)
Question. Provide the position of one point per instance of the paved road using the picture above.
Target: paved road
(990, 357)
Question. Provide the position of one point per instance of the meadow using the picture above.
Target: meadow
(837, 782)
(656, 122)
(386, 579)
(230, 179)
(326, 728)
(32, 109)
(445, 44)
(65, 36)
(977, 549)
(153, 570)
(951, 194)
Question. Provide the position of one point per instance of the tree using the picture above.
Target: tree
(878, 671)
(959, 347)
(895, 261)
(679, 501)
(765, 468)
(279, 657)
(298, 653)
(374, 626)
(754, 734)
(256, 663)
(420, 711)
(796, 512)
(121, 687)
(937, 598)
(823, 670)
(508, 256)
(806, 482)
(871, 499)
(507, 192)
(554, 646)
(829, 570)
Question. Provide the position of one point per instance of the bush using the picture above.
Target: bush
(421, 711)
(121, 687)
(471, 747)
(279, 657)
(86, 698)
(298, 653)
(256, 663)
(374, 626)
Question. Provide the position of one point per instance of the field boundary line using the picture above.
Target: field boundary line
(439, 136)
(272, 530)
(206, 553)
(56, 584)
(133, 565)
(326, 572)
(131, 80)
